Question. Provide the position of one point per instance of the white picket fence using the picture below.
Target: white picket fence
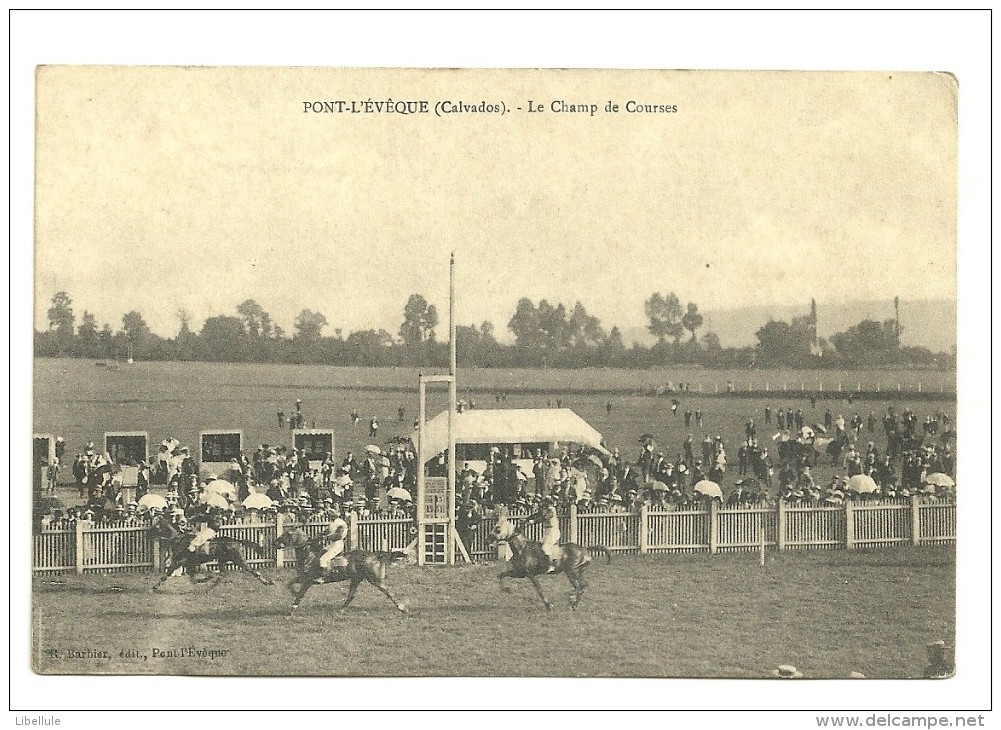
(98, 548)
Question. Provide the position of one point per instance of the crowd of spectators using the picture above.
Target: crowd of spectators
(382, 480)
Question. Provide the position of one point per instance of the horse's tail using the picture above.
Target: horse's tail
(255, 546)
(391, 557)
(601, 550)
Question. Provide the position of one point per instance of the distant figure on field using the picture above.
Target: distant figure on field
(281, 418)
(373, 428)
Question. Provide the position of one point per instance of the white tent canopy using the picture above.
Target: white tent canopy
(511, 426)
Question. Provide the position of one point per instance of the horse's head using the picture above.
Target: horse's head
(294, 538)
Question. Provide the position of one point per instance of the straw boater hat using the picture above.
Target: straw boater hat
(787, 671)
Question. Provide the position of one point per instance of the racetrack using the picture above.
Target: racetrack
(827, 612)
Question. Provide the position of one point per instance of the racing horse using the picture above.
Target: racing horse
(528, 561)
(223, 549)
(362, 565)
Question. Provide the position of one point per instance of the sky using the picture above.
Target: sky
(166, 188)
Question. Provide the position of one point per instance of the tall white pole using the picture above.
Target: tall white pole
(452, 405)
(422, 463)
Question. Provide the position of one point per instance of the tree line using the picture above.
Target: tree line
(545, 335)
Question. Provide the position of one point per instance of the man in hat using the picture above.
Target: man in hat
(337, 531)
(698, 474)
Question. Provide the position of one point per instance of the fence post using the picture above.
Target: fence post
(279, 530)
(79, 545)
(644, 526)
(157, 556)
(849, 525)
(915, 520)
(353, 540)
(574, 529)
(780, 537)
(713, 527)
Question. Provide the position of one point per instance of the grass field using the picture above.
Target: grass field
(79, 401)
(827, 612)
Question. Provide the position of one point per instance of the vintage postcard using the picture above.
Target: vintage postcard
(495, 373)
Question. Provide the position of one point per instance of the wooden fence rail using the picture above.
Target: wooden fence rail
(97, 548)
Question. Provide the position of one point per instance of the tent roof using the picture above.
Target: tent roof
(511, 426)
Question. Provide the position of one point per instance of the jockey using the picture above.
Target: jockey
(209, 529)
(551, 534)
(338, 530)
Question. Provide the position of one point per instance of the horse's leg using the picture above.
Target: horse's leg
(574, 586)
(216, 579)
(538, 589)
(384, 589)
(254, 572)
(503, 586)
(297, 598)
(581, 585)
(163, 578)
(352, 589)
(257, 574)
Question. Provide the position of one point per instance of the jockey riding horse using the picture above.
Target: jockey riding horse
(529, 560)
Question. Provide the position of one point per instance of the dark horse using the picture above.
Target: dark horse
(528, 561)
(361, 565)
(225, 550)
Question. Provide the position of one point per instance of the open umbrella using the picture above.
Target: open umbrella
(398, 493)
(258, 501)
(221, 486)
(862, 484)
(152, 501)
(940, 480)
(819, 428)
(373, 449)
(708, 488)
(659, 486)
(595, 460)
(211, 499)
(646, 437)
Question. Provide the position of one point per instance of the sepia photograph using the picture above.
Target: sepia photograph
(536, 373)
